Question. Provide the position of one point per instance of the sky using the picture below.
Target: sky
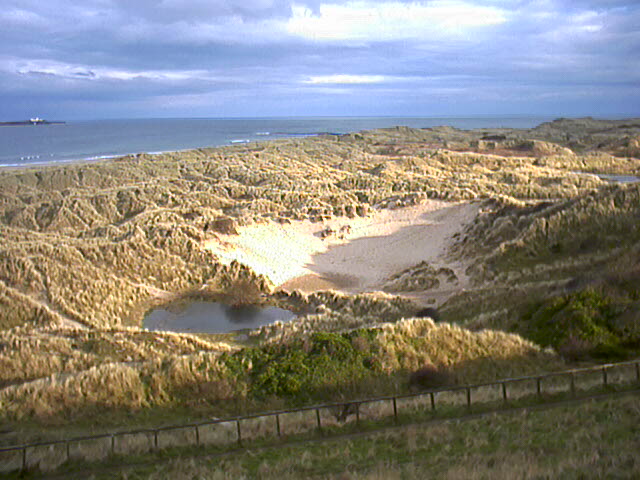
(93, 59)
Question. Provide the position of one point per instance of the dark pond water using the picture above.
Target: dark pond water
(213, 317)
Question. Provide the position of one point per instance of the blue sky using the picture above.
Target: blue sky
(64, 59)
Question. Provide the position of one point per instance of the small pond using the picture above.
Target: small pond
(618, 178)
(614, 178)
(213, 317)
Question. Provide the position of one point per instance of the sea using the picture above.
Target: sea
(29, 145)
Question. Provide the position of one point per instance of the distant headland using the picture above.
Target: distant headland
(31, 121)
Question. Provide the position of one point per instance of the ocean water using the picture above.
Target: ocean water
(99, 139)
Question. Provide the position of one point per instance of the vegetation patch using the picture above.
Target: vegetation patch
(597, 322)
(311, 368)
(550, 443)
(603, 221)
(315, 368)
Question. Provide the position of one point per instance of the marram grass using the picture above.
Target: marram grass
(319, 367)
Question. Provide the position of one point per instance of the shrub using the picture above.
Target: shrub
(575, 348)
(429, 312)
(300, 370)
(429, 376)
(585, 323)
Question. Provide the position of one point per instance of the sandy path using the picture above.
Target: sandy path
(296, 256)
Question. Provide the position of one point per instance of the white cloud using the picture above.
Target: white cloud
(20, 17)
(366, 20)
(589, 22)
(68, 71)
(345, 79)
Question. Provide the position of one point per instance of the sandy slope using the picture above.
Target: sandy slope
(296, 256)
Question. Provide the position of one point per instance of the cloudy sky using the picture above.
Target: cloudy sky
(83, 59)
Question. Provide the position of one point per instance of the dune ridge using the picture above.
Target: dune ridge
(352, 232)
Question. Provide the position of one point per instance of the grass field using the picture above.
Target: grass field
(593, 439)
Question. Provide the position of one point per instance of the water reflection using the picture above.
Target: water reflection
(614, 178)
(618, 178)
(213, 317)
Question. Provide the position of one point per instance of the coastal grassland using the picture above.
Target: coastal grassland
(593, 439)
(87, 249)
(570, 270)
(29, 353)
(514, 235)
(35, 351)
(98, 243)
(102, 283)
(603, 221)
(320, 367)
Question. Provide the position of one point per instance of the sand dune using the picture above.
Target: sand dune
(361, 258)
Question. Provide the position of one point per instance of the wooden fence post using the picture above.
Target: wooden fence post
(24, 458)
(573, 385)
(538, 389)
(239, 432)
(197, 435)
(469, 398)
(433, 400)
(278, 425)
(604, 376)
(318, 419)
(504, 392)
(395, 410)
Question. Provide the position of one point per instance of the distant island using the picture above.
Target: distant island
(31, 121)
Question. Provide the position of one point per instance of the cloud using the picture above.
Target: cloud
(345, 79)
(365, 20)
(20, 17)
(270, 57)
(67, 71)
(167, 11)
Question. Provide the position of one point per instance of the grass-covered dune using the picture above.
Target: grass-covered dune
(570, 267)
(317, 367)
(132, 229)
(549, 261)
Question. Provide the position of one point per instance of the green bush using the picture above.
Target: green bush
(311, 368)
(592, 322)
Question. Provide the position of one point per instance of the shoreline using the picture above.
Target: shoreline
(27, 123)
(268, 130)
(117, 156)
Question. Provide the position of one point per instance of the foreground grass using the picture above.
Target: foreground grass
(596, 439)
(323, 367)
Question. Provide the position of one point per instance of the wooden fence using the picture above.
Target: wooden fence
(279, 424)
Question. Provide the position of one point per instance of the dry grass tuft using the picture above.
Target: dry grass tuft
(472, 356)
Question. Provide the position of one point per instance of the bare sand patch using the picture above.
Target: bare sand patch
(349, 254)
